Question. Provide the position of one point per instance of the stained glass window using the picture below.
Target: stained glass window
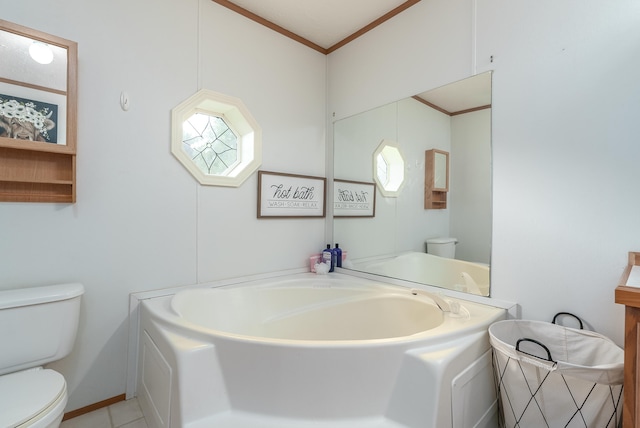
(215, 137)
(210, 143)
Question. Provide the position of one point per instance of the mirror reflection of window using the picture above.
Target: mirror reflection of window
(382, 169)
(389, 167)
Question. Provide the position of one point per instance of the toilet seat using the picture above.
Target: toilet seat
(33, 398)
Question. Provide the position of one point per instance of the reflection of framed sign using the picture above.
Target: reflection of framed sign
(289, 195)
(354, 199)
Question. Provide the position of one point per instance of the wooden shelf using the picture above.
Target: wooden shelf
(36, 176)
(32, 170)
(630, 297)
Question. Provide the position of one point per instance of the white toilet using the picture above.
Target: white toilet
(443, 247)
(37, 326)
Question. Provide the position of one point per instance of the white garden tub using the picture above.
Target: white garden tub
(314, 351)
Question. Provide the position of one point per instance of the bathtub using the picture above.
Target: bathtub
(329, 351)
(429, 269)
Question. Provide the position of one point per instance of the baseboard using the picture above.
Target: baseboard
(94, 406)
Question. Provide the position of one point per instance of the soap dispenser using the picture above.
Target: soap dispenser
(338, 252)
(328, 257)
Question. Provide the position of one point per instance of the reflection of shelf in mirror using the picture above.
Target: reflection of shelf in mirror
(435, 200)
(436, 179)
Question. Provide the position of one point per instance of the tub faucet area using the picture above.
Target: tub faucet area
(442, 304)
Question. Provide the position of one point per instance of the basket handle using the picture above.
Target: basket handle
(525, 339)
(571, 315)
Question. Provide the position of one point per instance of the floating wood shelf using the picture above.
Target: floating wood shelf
(36, 176)
(630, 297)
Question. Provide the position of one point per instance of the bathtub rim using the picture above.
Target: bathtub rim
(512, 309)
(163, 303)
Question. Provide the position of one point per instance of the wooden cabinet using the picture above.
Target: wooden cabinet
(38, 104)
(630, 297)
(436, 179)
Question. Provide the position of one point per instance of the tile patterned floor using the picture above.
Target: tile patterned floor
(125, 414)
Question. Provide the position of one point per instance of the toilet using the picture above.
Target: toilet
(37, 326)
(443, 247)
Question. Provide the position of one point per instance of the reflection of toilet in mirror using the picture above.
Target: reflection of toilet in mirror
(43, 324)
(443, 247)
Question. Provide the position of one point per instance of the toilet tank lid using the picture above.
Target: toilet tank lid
(441, 240)
(36, 295)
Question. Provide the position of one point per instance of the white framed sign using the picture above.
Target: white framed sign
(354, 199)
(289, 195)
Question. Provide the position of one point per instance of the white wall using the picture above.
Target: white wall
(470, 185)
(566, 98)
(141, 221)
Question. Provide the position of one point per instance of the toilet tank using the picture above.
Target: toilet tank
(38, 325)
(443, 247)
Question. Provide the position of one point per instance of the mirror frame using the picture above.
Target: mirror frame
(71, 93)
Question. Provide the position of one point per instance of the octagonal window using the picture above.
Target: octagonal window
(215, 137)
(388, 166)
(210, 143)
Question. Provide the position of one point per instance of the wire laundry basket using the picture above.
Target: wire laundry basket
(552, 376)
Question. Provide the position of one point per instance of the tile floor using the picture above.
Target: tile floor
(125, 414)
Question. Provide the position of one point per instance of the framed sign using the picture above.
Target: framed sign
(354, 199)
(288, 195)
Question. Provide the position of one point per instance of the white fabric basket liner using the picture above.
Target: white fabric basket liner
(580, 388)
(577, 353)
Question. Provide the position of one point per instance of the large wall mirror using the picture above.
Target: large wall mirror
(38, 103)
(456, 119)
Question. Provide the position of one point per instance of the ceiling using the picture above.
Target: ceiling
(324, 25)
(473, 93)
(327, 25)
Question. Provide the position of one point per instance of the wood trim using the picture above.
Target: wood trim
(628, 296)
(260, 20)
(470, 110)
(275, 27)
(90, 408)
(433, 106)
(406, 5)
(29, 85)
(448, 113)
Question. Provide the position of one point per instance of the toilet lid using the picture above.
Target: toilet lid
(26, 394)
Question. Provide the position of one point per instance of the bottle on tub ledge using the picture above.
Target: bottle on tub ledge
(329, 257)
(338, 252)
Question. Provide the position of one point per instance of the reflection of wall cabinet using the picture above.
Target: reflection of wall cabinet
(436, 179)
(37, 117)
